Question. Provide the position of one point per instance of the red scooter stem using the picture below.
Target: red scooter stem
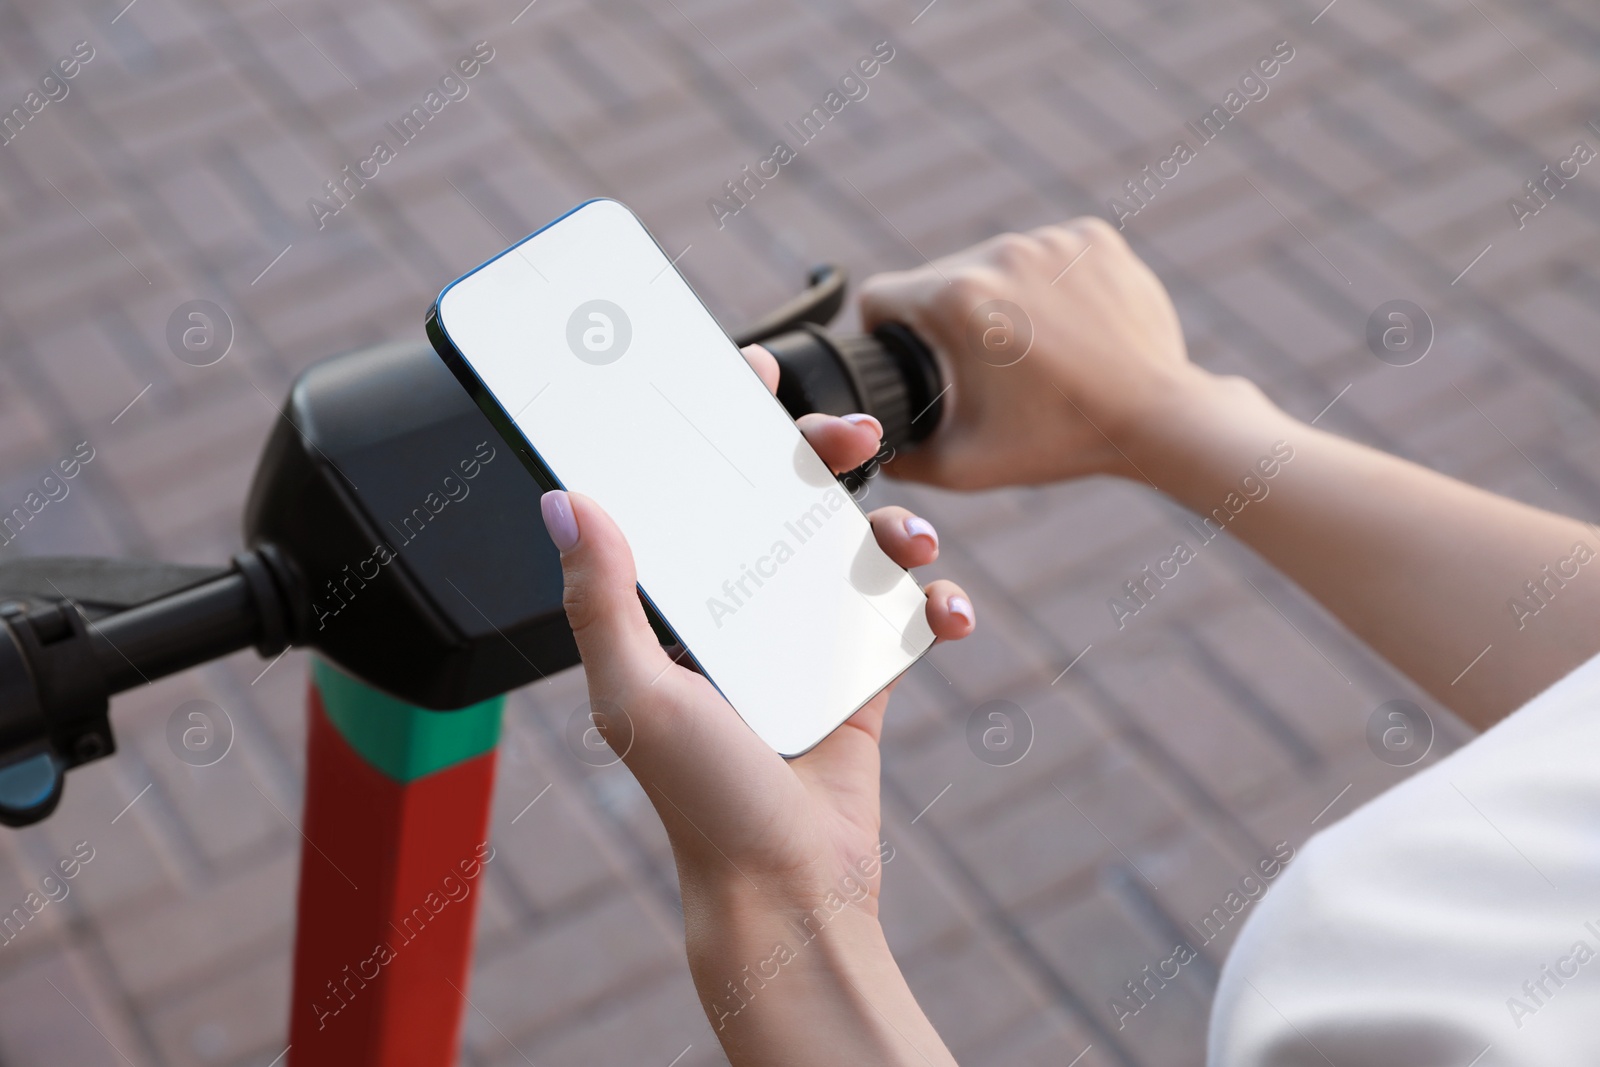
(396, 849)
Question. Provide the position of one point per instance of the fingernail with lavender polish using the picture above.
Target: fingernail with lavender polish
(917, 526)
(960, 605)
(559, 519)
(859, 419)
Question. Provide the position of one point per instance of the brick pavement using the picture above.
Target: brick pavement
(1176, 752)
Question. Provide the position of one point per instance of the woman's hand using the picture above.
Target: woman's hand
(761, 843)
(1060, 345)
(1084, 372)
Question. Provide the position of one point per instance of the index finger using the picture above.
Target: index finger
(764, 364)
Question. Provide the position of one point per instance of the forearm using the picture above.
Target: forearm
(1425, 569)
(787, 985)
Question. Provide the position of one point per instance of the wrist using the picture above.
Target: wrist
(765, 967)
(1196, 429)
(793, 973)
(725, 918)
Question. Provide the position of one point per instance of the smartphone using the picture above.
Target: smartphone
(607, 375)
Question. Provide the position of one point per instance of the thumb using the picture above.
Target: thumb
(601, 598)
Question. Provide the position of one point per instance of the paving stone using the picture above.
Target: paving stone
(557, 851)
(135, 858)
(1169, 1025)
(241, 1016)
(662, 1024)
(1064, 739)
(36, 913)
(922, 903)
(1047, 1039)
(59, 1009)
(576, 966)
(1030, 853)
(973, 994)
(1169, 693)
(1289, 675)
(241, 912)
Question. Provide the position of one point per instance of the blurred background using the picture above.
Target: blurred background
(1227, 718)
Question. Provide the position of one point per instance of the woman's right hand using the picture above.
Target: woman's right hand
(1060, 345)
(1430, 572)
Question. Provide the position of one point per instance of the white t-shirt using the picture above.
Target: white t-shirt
(1452, 922)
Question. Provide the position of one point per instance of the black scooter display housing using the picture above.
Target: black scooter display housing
(415, 543)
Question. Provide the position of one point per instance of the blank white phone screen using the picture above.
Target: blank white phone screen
(589, 339)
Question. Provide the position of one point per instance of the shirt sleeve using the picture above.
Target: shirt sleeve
(1452, 922)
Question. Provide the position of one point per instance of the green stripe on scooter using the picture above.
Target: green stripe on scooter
(401, 740)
